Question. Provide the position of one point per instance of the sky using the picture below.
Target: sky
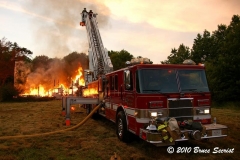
(147, 28)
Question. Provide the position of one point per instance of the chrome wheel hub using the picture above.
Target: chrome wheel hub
(120, 127)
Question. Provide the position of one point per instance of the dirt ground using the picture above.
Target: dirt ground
(94, 140)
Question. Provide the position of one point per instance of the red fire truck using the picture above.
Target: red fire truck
(136, 95)
(142, 98)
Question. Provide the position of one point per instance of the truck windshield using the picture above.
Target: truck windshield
(168, 80)
(193, 81)
(156, 81)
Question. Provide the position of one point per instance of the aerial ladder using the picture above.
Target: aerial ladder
(99, 61)
(99, 64)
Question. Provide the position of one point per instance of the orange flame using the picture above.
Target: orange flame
(92, 89)
(39, 91)
(72, 108)
(62, 89)
(79, 79)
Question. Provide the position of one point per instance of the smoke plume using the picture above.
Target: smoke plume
(57, 32)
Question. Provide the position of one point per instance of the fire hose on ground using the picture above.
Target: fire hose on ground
(54, 132)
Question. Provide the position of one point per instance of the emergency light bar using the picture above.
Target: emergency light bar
(140, 61)
(189, 62)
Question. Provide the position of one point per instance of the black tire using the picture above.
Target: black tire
(121, 127)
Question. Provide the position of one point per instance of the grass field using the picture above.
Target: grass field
(96, 139)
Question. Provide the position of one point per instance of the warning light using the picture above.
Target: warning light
(189, 62)
(140, 61)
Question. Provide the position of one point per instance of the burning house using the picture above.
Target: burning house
(45, 77)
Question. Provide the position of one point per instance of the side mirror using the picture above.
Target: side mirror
(127, 79)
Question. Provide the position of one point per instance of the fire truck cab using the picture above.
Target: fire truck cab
(139, 95)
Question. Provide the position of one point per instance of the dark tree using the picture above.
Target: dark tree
(9, 54)
(40, 62)
(203, 48)
(119, 58)
(177, 56)
(223, 67)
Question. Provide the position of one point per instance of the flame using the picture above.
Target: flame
(90, 91)
(72, 108)
(41, 90)
(79, 79)
(38, 91)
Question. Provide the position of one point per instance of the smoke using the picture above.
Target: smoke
(46, 76)
(56, 30)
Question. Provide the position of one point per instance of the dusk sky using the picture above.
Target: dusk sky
(147, 28)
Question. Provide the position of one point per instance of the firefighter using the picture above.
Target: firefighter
(163, 129)
(84, 11)
(90, 14)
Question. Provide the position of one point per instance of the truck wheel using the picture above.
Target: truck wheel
(121, 127)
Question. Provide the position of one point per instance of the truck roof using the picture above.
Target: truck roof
(163, 66)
